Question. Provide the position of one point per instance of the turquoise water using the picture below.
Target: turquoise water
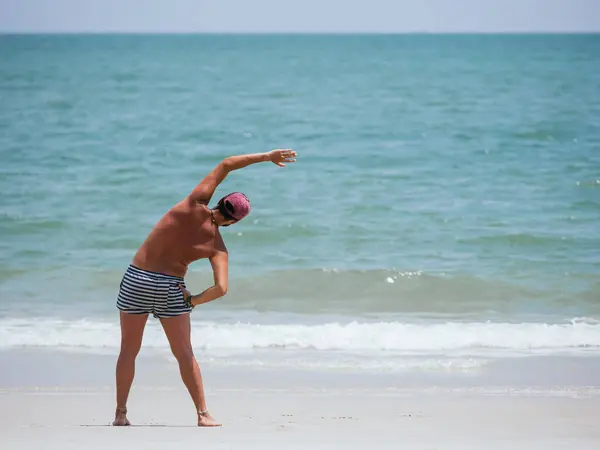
(439, 178)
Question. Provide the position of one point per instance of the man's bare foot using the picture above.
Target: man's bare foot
(121, 418)
(206, 420)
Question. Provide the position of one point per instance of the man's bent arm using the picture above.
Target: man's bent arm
(220, 265)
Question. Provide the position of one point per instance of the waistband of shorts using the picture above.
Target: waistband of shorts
(160, 275)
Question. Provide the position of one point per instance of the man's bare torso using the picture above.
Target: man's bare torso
(184, 234)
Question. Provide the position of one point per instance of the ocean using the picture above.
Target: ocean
(443, 211)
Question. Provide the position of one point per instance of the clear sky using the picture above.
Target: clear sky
(299, 15)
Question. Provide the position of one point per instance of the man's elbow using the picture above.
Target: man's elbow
(227, 164)
(221, 289)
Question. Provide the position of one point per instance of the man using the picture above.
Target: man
(153, 282)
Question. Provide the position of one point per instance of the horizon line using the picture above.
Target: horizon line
(296, 33)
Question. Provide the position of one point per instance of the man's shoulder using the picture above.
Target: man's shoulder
(188, 206)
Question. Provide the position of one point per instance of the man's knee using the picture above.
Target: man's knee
(184, 356)
(129, 351)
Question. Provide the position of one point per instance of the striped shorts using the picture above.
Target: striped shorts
(145, 292)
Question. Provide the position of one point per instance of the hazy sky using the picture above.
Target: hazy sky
(299, 15)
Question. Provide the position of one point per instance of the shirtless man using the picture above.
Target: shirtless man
(153, 282)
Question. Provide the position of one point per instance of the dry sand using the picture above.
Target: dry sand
(274, 410)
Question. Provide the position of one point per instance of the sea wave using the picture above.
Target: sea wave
(400, 338)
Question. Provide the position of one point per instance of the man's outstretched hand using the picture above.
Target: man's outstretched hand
(282, 156)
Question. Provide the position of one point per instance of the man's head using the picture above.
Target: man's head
(232, 208)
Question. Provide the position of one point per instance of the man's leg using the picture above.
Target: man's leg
(132, 331)
(178, 333)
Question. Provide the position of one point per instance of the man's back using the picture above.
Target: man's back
(184, 234)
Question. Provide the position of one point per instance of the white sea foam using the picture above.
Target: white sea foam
(491, 339)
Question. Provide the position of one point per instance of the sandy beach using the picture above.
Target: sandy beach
(293, 409)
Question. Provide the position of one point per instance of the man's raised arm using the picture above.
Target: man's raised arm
(204, 191)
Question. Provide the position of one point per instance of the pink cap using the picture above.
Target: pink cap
(237, 205)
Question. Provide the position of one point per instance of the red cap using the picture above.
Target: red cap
(237, 205)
